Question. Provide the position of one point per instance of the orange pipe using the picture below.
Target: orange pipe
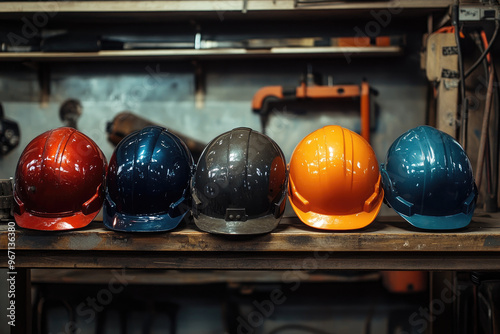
(318, 92)
(264, 92)
(485, 42)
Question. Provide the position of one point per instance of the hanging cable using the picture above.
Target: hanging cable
(491, 163)
(484, 130)
(477, 39)
(463, 100)
(486, 51)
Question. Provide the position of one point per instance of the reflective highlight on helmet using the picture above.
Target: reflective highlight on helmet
(334, 180)
(428, 180)
(239, 185)
(147, 184)
(59, 181)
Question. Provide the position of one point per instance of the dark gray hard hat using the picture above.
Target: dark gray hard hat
(239, 186)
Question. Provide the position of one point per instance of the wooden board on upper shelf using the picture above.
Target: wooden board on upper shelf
(384, 235)
(207, 5)
(204, 53)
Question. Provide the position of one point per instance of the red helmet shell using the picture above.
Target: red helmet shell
(59, 181)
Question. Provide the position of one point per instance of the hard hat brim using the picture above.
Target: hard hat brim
(139, 223)
(259, 225)
(338, 222)
(75, 221)
(451, 222)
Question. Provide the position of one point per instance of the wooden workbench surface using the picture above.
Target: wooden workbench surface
(388, 243)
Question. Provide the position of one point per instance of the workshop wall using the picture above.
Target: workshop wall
(168, 98)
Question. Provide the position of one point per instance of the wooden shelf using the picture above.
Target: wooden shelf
(206, 53)
(387, 244)
(182, 277)
(204, 6)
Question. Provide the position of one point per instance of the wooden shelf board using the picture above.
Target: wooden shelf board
(384, 235)
(293, 261)
(204, 6)
(205, 53)
(102, 276)
(387, 244)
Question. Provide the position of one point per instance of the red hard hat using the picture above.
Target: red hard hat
(59, 181)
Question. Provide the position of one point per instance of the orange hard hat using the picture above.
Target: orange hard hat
(334, 180)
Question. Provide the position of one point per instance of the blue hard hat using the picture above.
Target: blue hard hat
(147, 184)
(428, 180)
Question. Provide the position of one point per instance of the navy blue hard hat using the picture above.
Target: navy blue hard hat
(428, 180)
(239, 186)
(147, 184)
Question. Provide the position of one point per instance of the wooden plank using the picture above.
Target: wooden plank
(142, 6)
(298, 261)
(182, 277)
(385, 235)
(442, 67)
(202, 54)
(202, 6)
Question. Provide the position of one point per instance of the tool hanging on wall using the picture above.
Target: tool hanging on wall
(126, 122)
(310, 90)
(70, 111)
(9, 134)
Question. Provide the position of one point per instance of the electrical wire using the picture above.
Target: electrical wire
(484, 131)
(481, 58)
(477, 39)
(496, 156)
(463, 100)
(493, 155)
(479, 44)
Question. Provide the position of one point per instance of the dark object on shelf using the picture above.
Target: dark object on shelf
(6, 199)
(9, 134)
(478, 277)
(69, 112)
(71, 42)
(125, 123)
(487, 290)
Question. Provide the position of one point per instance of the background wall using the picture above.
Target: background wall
(106, 89)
